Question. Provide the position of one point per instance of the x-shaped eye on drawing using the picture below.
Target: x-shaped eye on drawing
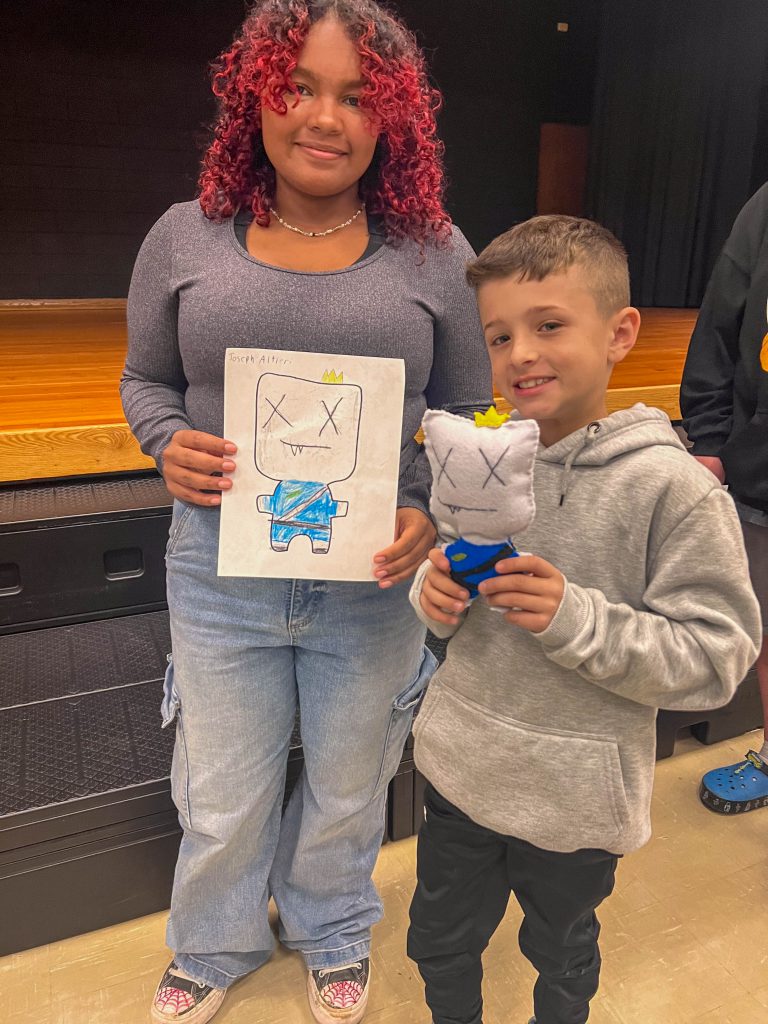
(276, 409)
(492, 468)
(330, 416)
(443, 464)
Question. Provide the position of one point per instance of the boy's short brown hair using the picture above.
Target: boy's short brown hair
(550, 245)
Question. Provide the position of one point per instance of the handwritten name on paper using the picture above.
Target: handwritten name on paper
(258, 358)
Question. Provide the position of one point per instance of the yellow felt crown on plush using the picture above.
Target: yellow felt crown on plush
(491, 418)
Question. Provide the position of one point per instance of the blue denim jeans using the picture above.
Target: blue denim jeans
(246, 654)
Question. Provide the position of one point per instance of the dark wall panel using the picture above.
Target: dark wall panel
(105, 108)
(504, 69)
(678, 135)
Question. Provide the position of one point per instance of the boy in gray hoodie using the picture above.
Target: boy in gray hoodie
(537, 734)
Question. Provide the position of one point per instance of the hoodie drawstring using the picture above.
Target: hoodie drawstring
(593, 429)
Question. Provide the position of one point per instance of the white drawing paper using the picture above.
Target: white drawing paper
(318, 437)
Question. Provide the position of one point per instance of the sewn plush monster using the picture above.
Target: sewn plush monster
(482, 488)
(306, 438)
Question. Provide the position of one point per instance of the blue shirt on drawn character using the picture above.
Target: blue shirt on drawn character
(301, 508)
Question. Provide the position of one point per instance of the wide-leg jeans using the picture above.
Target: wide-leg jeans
(246, 654)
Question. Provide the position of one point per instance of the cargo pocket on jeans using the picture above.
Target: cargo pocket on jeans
(170, 704)
(171, 711)
(403, 709)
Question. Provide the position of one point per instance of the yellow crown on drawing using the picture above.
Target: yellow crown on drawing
(331, 377)
(491, 418)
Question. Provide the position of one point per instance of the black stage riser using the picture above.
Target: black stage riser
(89, 887)
(98, 550)
(91, 863)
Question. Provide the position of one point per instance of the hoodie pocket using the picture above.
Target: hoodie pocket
(557, 789)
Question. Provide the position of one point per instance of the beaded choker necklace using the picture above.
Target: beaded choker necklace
(317, 234)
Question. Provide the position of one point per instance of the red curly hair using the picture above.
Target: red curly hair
(404, 184)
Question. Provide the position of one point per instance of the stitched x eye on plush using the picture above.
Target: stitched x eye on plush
(482, 486)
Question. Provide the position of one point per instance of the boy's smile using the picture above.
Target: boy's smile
(552, 349)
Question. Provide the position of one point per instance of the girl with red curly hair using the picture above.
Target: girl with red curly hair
(320, 226)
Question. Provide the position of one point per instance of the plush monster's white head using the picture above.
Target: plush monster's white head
(482, 476)
(307, 429)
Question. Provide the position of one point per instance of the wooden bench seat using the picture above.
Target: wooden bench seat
(60, 364)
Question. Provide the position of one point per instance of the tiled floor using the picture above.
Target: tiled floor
(684, 937)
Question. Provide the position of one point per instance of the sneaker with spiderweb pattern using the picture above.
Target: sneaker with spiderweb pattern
(339, 995)
(181, 998)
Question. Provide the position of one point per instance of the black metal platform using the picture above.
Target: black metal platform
(88, 832)
(44, 505)
(76, 552)
(79, 710)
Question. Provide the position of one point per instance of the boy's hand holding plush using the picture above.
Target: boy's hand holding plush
(530, 587)
(441, 598)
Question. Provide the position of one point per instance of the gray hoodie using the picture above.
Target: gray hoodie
(551, 737)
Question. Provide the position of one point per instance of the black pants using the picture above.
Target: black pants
(465, 876)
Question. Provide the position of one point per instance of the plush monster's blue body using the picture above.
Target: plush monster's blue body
(473, 563)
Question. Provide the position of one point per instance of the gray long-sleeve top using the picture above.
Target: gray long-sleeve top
(196, 292)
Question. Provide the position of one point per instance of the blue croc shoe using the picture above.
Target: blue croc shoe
(737, 787)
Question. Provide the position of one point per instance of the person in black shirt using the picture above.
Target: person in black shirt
(724, 400)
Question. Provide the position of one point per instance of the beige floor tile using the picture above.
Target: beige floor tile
(690, 857)
(743, 1011)
(696, 987)
(102, 959)
(657, 920)
(397, 863)
(630, 895)
(41, 1016)
(761, 995)
(25, 981)
(127, 1002)
(724, 933)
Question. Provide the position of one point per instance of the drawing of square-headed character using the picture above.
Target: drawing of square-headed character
(307, 434)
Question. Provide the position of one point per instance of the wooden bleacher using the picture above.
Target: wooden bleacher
(60, 363)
